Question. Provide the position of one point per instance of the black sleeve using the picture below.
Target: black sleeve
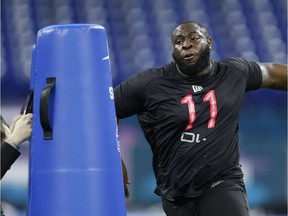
(130, 96)
(8, 156)
(251, 71)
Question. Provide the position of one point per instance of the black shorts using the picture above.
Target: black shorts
(223, 198)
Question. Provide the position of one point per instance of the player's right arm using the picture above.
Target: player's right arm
(129, 100)
(130, 96)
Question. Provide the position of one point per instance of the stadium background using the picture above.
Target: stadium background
(139, 37)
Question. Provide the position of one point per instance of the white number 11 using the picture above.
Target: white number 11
(209, 97)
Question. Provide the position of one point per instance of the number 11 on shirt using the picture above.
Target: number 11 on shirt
(209, 97)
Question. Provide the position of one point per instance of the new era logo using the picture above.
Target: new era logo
(197, 88)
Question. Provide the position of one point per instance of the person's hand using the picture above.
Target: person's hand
(14, 120)
(125, 179)
(126, 190)
(21, 128)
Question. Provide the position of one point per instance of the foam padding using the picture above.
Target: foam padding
(75, 168)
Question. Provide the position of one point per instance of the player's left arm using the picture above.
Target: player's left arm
(274, 76)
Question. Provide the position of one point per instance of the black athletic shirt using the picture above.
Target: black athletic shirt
(191, 124)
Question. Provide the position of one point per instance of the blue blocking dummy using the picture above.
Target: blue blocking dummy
(75, 165)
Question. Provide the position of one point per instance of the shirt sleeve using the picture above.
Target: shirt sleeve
(8, 156)
(251, 70)
(130, 96)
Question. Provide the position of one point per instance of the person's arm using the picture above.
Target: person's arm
(124, 174)
(9, 154)
(274, 76)
(125, 179)
(21, 130)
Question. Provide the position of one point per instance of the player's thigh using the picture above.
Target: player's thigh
(224, 202)
(169, 207)
(181, 207)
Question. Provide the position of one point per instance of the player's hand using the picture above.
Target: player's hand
(21, 129)
(125, 179)
(126, 190)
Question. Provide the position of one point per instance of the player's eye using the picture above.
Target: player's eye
(195, 38)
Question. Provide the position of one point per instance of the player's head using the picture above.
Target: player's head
(4, 128)
(191, 47)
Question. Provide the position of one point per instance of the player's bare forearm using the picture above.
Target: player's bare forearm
(274, 76)
(125, 179)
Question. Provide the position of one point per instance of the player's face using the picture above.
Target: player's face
(191, 48)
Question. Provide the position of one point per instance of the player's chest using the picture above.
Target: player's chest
(182, 101)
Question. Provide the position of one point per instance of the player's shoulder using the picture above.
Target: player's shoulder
(155, 72)
(160, 71)
(236, 62)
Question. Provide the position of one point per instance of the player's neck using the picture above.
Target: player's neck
(205, 71)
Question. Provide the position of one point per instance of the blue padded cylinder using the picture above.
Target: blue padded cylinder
(75, 165)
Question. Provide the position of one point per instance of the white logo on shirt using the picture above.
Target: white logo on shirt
(216, 183)
(197, 88)
(191, 137)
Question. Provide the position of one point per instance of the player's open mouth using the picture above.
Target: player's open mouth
(189, 56)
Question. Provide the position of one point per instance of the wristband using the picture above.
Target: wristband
(12, 143)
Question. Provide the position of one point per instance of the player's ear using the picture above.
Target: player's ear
(209, 41)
